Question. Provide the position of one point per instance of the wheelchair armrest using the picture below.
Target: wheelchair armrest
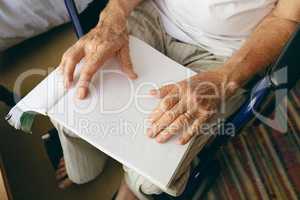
(86, 20)
(288, 61)
(246, 112)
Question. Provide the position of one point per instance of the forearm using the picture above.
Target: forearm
(115, 14)
(118, 10)
(260, 50)
(126, 6)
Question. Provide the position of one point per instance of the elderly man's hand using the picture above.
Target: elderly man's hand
(109, 38)
(187, 105)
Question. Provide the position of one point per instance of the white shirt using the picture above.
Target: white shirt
(220, 26)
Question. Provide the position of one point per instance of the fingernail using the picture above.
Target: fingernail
(163, 137)
(160, 139)
(133, 76)
(81, 93)
(149, 132)
(180, 141)
(150, 120)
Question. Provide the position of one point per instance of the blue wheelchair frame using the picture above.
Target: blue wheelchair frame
(259, 93)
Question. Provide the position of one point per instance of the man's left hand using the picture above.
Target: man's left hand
(187, 105)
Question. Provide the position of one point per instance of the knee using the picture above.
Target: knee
(62, 130)
(139, 185)
(143, 187)
(86, 177)
(86, 171)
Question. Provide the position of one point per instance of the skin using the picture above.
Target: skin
(108, 39)
(197, 99)
(187, 105)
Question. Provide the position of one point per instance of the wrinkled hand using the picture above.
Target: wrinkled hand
(187, 105)
(109, 38)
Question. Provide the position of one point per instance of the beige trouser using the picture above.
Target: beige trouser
(84, 162)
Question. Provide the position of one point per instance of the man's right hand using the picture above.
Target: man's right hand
(109, 38)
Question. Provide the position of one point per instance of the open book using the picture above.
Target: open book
(113, 118)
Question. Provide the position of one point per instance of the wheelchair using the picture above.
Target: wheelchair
(263, 88)
(260, 91)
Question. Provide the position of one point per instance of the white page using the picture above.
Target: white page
(39, 100)
(44, 95)
(122, 133)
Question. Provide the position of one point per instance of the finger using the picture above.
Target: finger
(186, 136)
(181, 123)
(166, 104)
(162, 92)
(163, 137)
(85, 77)
(70, 59)
(126, 64)
(92, 63)
(166, 119)
(194, 129)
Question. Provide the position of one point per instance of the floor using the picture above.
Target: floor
(28, 169)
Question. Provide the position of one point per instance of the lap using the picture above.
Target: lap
(145, 24)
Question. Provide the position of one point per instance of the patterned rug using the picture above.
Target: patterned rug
(262, 163)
